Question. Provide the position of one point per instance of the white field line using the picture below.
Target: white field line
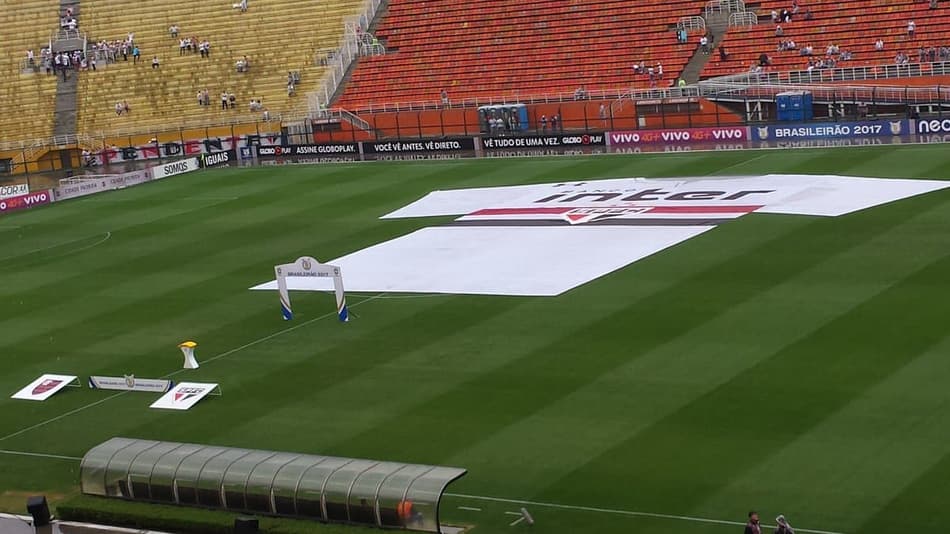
(514, 513)
(173, 373)
(629, 513)
(87, 247)
(470, 508)
(39, 455)
(516, 521)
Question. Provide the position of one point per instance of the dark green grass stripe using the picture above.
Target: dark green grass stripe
(153, 248)
(577, 356)
(921, 504)
(742, 421)
(323, 366)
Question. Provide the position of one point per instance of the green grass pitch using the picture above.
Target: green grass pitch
(790, 364)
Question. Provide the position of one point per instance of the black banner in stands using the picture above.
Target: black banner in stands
(327, 149)
(544, 141)
(218, 159)
(421, 146)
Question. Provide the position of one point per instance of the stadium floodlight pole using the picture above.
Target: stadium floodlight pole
(305, 266)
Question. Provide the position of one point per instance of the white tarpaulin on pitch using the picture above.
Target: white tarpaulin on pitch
(547, 239)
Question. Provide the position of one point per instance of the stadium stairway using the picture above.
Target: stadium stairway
(717, 25)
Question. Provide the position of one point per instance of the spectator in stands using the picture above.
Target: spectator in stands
(911, 29)
(155, 62)
(173, 31)
(291, 89)
(681, 36)
(808, 15)
(764, 60)
(832, 50)
(182, 46)
(786, 16)
(555, 121)
(934, 4)
(207, 97)
(779, 31)
(443, 94)
(580, 93)
(30, 59)
(241, 65)
(224, 100)
(681, 83)
(775, 17)
(92, 62)
(723, 54)
(232, 100)
(879, 45)
(659, 71)
(704, 44)
(807, 50)
(242, 5)
(543, 121)
(201, 98)
(602, 113)
(135, 54)
(118, 108)
(125, 107)
(795, 7)
(266, 115)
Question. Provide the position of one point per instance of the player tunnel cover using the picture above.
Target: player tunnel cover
(545, 239)
(325, 488)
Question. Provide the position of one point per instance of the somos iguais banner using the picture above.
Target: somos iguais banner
(679, 135)
(175, 168)
(831, 130)
(22, 202)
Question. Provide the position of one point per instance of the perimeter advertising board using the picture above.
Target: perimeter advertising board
(23, 202)
(421, 146)
(679, 135)
(831, 130)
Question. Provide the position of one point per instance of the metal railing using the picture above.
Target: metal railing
(715, 7)
(691, 23)
(339, 60)
(743, 18)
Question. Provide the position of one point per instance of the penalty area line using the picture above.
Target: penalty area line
(629, 513)
(173, 373)
(40, 455)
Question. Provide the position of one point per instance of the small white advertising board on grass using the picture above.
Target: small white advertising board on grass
(185, 395)
(45, 387)
(130, 383)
